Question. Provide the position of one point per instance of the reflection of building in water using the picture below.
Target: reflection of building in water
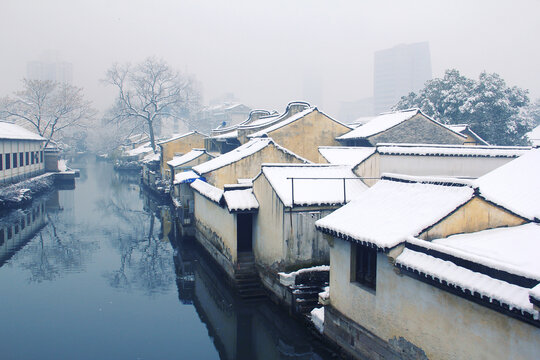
(241, 330)
(18, 228)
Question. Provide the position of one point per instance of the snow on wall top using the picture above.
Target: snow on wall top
(190, 156)
(493, 289)
(344, 155)
(515, 185)
(240, 200)
(211, 192)
(451, 150)
(282, 123)
(512, 249)
(227, 135)
(389, 212)
(186, 176)
(535, 292)
(239, 153)
(379, 124)
(326, 187)
(15, 132)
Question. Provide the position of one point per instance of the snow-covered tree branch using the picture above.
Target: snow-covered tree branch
(149, 92)
(495, 111)
(48, 107)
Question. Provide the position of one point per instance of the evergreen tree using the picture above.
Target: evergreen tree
(494, 111)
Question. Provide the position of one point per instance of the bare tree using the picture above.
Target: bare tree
(150, 92)
(48, 107)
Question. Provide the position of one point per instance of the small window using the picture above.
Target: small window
(2, 239)
(364, 265)
(8, 161)
(1, 164)
(14, 160)
(21, 159)
(32, 158)
(41, 156)
(27, 158)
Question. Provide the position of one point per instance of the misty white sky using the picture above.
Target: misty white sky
(262, 51)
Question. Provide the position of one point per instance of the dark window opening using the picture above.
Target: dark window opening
(41, 156)
(244, 226)
(364, 265)
(27, 158)
(21, 159)
(2, 237)
(8, 161)
(1, 165)
(9, 233)
(14, 160)
(32, 158)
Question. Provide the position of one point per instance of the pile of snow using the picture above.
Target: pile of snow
(62, 165)
(317, 318)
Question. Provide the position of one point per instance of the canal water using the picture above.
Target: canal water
(96, 272)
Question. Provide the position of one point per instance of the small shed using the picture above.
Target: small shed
(179, 145)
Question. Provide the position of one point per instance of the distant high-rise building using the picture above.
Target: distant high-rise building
(50, 68)
(398, 71)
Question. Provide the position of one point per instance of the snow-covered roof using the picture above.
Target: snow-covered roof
(151, 157)
(346, 155)
(534, 136)
(15, 132)
(464, 129)
(185, 177)
(451, 150)
(449, 274)
(325, 186)
(379, 124)
(179, 136)
(360, 121)
(240, 200)
(275, 119)
(515, 185)
(389, 212)
(264, 120)
(190, 156)
(239, 153)
(211, 192)
(228, 135)
(511, 249)
(142, 149)
(280, 124)
(534, 295)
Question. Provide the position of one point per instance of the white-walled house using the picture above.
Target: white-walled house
(438, 268)
(21, 153)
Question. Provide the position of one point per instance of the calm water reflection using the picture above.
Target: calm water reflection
(97, 273)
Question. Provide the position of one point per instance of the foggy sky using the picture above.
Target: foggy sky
(263, 51)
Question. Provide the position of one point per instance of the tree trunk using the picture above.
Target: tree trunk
(151, 132)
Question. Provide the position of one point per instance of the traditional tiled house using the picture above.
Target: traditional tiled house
(21, 153)
(245, 162)
(225, 138)
(187, 161)
(178, 145)
(438, 268)
(405, 126)
(304, 131)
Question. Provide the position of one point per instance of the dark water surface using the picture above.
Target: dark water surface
(97, 273)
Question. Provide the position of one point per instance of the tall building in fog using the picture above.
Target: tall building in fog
(49, 67)
(398, 71)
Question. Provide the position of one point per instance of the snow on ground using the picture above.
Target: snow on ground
(512, 295)
(317, 317)
(390, 211)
